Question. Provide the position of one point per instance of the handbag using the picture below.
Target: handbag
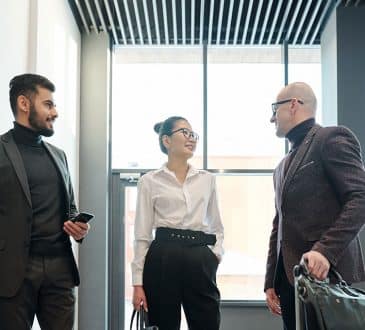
(142, 323)
(337, 306)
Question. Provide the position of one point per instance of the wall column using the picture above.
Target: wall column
(94, 180)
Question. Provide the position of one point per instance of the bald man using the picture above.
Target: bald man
(319, 201)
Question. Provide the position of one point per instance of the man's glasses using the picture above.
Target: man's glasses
(187, 133)
(275, 106)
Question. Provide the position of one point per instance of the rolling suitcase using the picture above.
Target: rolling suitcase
(321, 305)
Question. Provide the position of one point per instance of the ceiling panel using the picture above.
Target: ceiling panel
(215, 22)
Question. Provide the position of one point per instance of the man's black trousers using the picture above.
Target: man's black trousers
(47, 291)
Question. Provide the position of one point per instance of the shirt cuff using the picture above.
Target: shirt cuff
(137, 279)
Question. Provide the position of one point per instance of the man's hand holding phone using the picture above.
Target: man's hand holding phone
(78, 226)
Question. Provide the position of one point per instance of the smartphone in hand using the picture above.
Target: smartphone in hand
(82, 217)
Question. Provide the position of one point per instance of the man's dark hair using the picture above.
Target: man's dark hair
(27, 84)
(165, 128)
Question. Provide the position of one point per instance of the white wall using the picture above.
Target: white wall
(41, 36)
(14, 19)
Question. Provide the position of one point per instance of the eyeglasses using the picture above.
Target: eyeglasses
(275, 106)
(187, 133)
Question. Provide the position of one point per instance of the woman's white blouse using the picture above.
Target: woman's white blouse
(164, 202)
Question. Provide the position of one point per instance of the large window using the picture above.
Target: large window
(150, 84)
(241, 85)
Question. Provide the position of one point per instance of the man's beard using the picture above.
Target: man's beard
(37, 125)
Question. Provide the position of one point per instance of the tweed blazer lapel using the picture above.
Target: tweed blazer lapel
(297, 160)
(16, 160)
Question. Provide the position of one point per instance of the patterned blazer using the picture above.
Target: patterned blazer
(320, 204)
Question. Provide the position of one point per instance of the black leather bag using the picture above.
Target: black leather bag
(141, 323)
(336, 306)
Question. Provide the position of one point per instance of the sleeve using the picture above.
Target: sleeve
(73, 211)
(341, 158)
(143, 226)
(72, 208)
(215, 221)
(272, 254)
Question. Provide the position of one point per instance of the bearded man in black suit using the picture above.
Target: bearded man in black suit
(319, 201)
(38, 272)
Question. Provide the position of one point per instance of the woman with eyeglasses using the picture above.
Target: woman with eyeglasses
(177, 265)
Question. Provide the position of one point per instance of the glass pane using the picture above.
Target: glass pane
(247, 217)
(149, 85)
(305, 65)
(242, 84)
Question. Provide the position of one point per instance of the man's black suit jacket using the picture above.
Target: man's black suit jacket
(320, 204)
(16, 212)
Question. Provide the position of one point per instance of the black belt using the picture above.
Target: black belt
(184, 236)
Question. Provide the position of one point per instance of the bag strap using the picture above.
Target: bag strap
(138, 318)
(142, 321)
(132, 319)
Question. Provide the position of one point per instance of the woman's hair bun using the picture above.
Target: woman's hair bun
(157, 127)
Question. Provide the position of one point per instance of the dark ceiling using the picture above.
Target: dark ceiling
(215, 22)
